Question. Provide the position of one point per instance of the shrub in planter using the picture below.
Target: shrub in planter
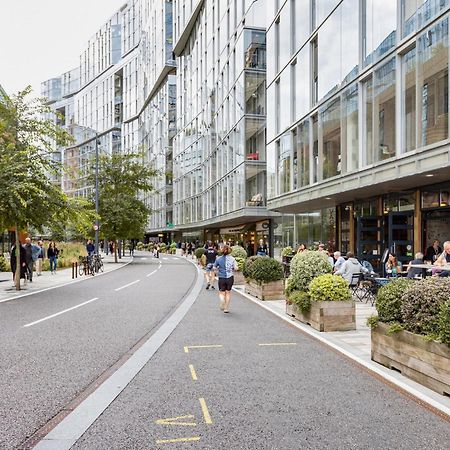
(287, 251)
(162, 247)
(199, 252)
(305, 267)
(444, 323)
(139, 246)
(301, 299)
(240, 263)
(266, 270)
(389, 299)
(248, 266)
(238, 252)
(421, 305)
(329, 287)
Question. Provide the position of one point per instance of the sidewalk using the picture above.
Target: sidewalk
(356, 345)
(48, 281)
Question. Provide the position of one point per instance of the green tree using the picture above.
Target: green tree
(123, 181)
(27, 142)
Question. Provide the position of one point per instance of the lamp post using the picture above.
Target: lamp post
(96, 193)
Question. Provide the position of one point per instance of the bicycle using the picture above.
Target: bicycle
(86, 265)
(98, 263)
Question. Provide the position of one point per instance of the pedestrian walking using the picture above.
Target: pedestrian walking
(13, 262)
(40, 258)
(211, 256)
(31, 254)
(52, 255)
(90, 248)
(189, 249)
(226, 265)
(262, 248)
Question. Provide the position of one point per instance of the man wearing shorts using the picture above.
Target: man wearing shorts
(211, 256)
(226, 265)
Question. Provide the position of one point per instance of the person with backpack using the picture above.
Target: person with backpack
(226, 265)
(211, 256)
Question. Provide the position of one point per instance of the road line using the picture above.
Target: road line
(278, 343)
(151, 273)
(59, 313)
(187, 347)
(69, 430)
(173, 441)
(127, 285)
(176, 421)
(193, 373)
(205, 411)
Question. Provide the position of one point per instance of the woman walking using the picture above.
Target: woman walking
(52, 255)
(226, 265)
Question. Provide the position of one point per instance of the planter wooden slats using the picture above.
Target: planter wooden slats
(239, 278)
(327, 316)
(428, 363)
(265, 291)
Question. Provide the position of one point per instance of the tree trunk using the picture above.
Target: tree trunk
(120, 249)
(115, 252)
(18, 264)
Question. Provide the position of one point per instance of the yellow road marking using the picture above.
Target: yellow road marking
(175, 421)
(172, 441)
(278, 343)
(187, 347)
(205, 410)
(193, 374)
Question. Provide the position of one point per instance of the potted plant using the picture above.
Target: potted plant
(240, 255)
(326, 305)
(199, 252)
(286, 254)
(264, 278)
(412, 331)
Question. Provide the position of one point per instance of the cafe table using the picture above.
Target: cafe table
(427, 267)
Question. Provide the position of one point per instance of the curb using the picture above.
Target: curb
(64, 284)
(372, 368)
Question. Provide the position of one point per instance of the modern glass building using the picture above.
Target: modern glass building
(357, 124)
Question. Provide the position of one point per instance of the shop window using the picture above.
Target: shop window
(430, 199)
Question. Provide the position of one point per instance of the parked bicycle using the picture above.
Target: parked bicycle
(86, 265)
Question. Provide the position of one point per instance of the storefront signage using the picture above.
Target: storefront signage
(232, 230)
(262, 226)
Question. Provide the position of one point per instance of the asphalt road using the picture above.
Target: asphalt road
(45, 365)
(239, 394)
(244, 380)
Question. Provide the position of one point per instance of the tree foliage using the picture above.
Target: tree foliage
(123, 181)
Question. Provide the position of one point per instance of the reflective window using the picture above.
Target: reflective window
(302, 22)
(315, 136)
(255, 49)
(255, 139)
(433, 84)
(255, 93)
(379, 28)
(302, 84)
(302, 154)
(284, 164)
(368, 119)
(350, 128)
(409, 100)
(330, 118)
(255, 184)
(417, 13)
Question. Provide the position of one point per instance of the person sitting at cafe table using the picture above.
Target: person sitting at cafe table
(444, 260)
(433, 252)
(415, 272)
(393, 267)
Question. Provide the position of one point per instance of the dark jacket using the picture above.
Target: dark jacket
(22, 261)
(414, 271)
(28, 253)
(52, 252)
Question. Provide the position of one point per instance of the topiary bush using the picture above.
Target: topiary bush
(329, 287)
(139, 246)
(421, 305)
(4, 266)
(389, 299)
(444, 323)
(301, 299)
(199, 252)
(240, 262)
(248, 265)
(287, 251)
(265, 270)
(305, 267)
(238, 252)
(162, 247)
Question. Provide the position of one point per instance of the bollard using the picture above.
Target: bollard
(73, 267)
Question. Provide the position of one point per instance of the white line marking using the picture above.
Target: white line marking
(67, 432)
(129, 284)
(144, 257)
(61, 312)
(165, 259)
(151, 273)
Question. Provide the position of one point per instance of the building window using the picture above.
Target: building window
(255, 49)
(277, 106)
(255, 93)
(350, 128)
(433, 84)
(330, 118)
(315, 137)
(409, 100)
(284, 163)
(315, 71)
(302, 154)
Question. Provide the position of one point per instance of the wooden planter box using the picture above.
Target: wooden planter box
(327, 316)
(428, 363)
(239, 278)
(266, 291)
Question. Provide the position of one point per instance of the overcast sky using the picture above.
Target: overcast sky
(41, 39)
